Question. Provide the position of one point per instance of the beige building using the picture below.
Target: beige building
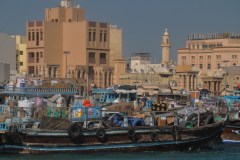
(66, 45)
(211, 51)
(21, 54)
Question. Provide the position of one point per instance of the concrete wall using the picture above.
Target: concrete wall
(4, 72)
(8, 50)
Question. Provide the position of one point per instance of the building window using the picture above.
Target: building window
(33, 36)
(94, 35)
(31, 57)
(201, 66)
(41, 35)
(29, 36)
(218, 65)
(41, 54)
(218, 57)
(234, 64)
(103, 58)
(209, 66)
(201, 57)
(209, 57)
(56, 20)
(21, 63)
(193, 65)
(197, 46)
(91, 57)
(193, 57)
(90, 36)
(101, 36)
(31, 70)
(70, 20)
(37, 57)
(37, 38)
(234, 56)
(105, 36)
(21, 53)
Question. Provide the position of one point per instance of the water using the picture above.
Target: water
(219, 152)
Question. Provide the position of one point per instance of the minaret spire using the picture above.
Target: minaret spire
(166, 48)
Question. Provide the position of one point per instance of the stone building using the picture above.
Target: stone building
(66, 45)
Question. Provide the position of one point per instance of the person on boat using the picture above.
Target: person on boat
(86, 103)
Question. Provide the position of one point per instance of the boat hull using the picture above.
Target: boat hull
(231, 133)
(117, 140)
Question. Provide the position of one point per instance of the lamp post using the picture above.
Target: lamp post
(66, 53)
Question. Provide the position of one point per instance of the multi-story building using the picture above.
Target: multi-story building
(8, 53)
(138, 60)
(207, 52)
(4, 72)
(21, 54)
(65, 44)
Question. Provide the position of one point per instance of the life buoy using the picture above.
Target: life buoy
(75, 131)
(154, 136)
(101, 134)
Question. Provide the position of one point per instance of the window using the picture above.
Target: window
(91, 57)
(218, 56)
(234, 56)
(41, 35)
(193, 65)
(209, 66)
(201, 66)
(101, 36)
(94, 35)
(90, 36)
(21, 53)
(33, 36)
(103, 58)
(31, 70)
(37, 57)
(201, 57)
(234, 64)
(29, 36)
(21, 63)
(56, 20)
(70, 20)
(193, 57)
(37, 38)
(41, 54)
(105, 36)
(218, 66)
(208, 57)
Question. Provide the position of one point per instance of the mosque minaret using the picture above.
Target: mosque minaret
(165, 48)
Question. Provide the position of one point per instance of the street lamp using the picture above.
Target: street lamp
(66, 53)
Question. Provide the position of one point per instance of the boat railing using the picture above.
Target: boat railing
(32, 114)
(39, 90)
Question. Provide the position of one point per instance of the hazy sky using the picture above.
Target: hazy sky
(143, 21)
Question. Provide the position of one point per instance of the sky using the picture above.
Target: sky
(143, 21)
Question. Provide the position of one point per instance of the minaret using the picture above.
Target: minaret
(165, 48)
